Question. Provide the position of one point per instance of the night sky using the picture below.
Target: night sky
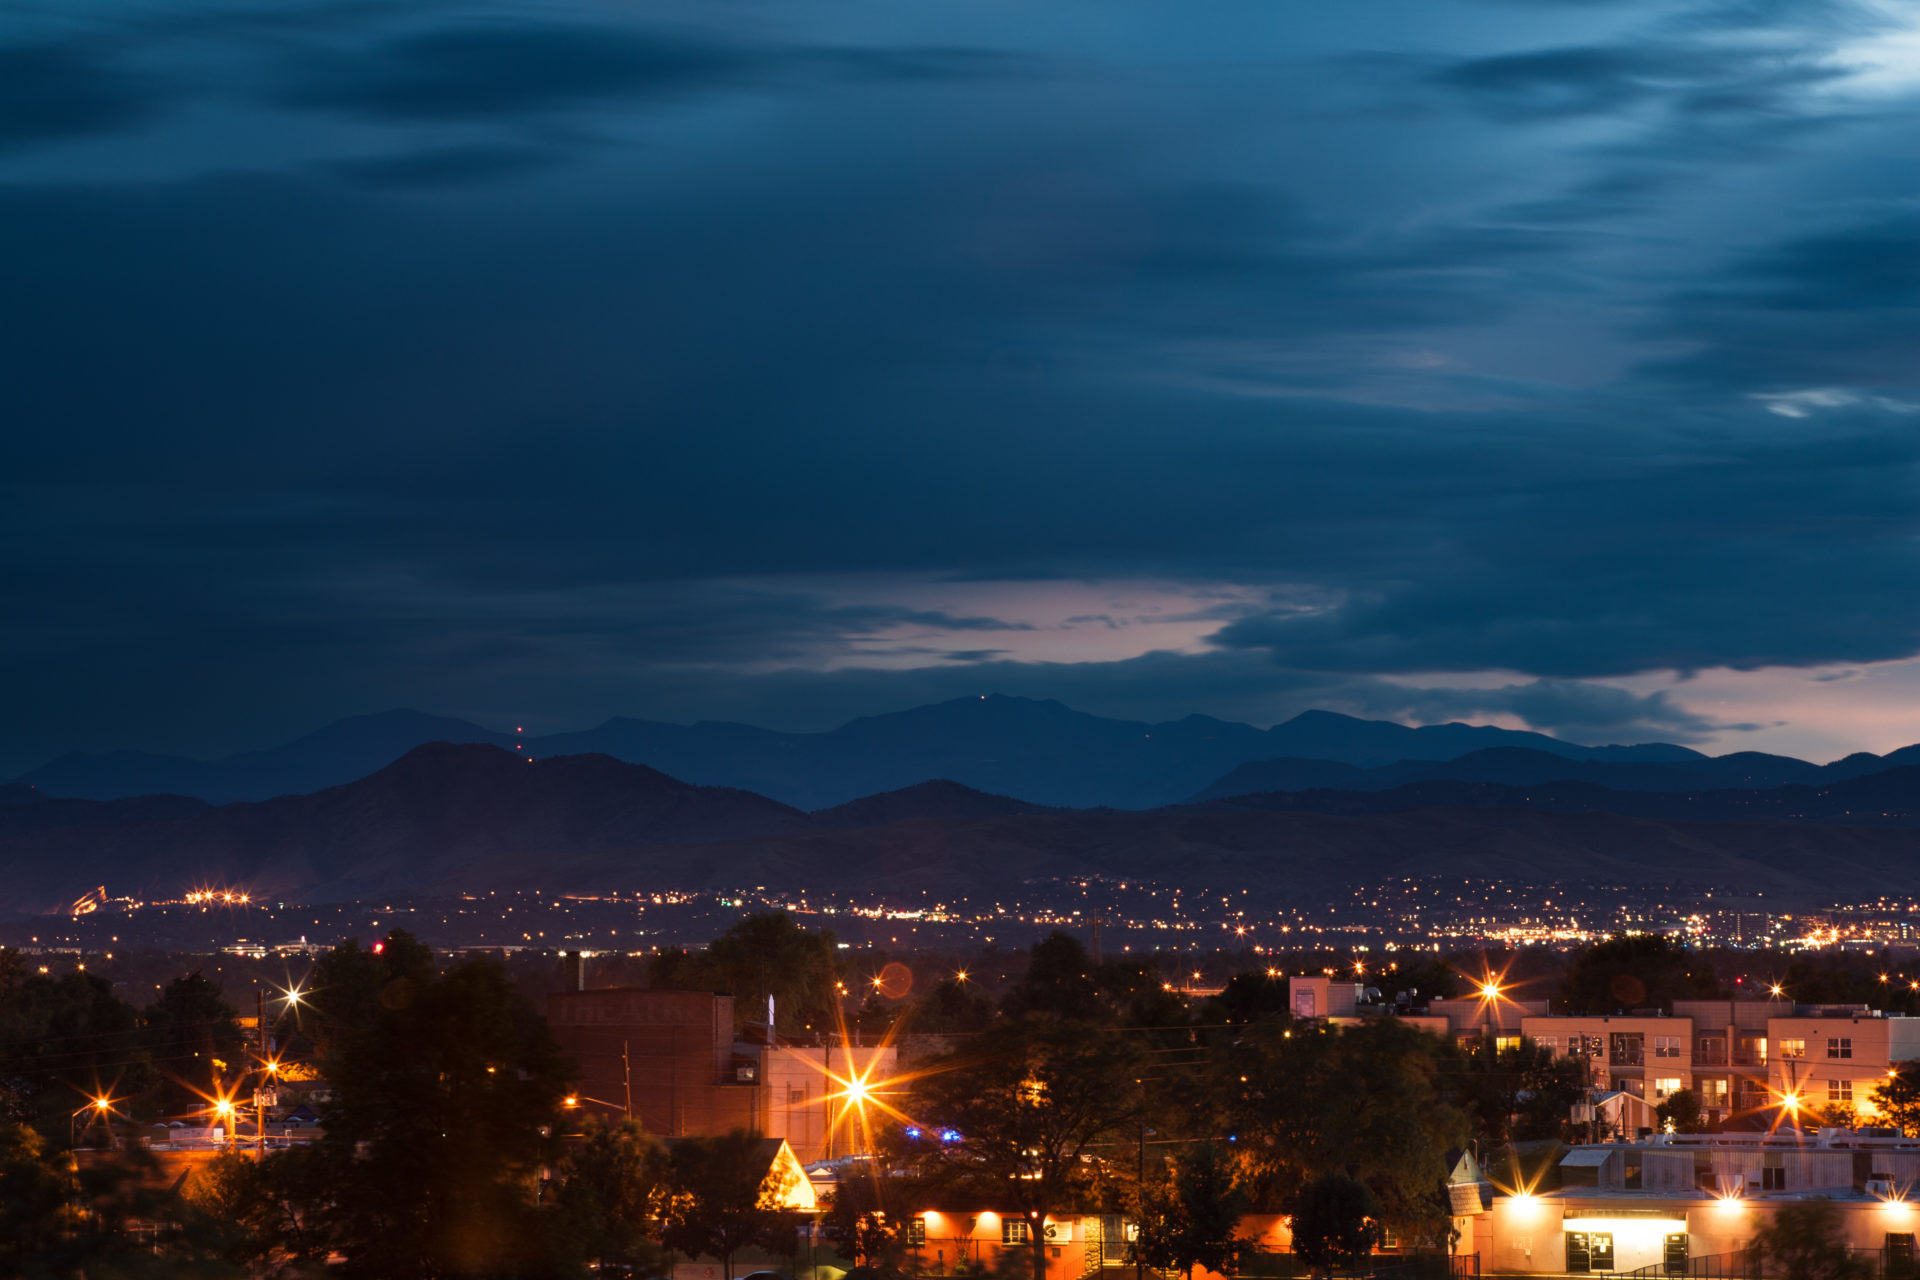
(1551, 364)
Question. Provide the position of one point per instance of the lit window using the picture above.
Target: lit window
(1793, 1048)
(1506, 1044)
(1665, 1086)
(1840, 1047)
(915, 1232)
(1013, 1231)
(1840, 1091)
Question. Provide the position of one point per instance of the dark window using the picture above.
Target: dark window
(1840, 1046)
(1773, 1179)
(1579, 1253)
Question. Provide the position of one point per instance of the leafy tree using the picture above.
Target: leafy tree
(763, 954)
(1519, 1093)
(858, 1224)
(61, 1040)
(721, 1197)
(59, 1219)
(1188, 1218)
(952, 1006)
(1634, 971)
(609, 1185)
(351, 985)
(1804, 1241)
(1682, 1110)
(445, 1105)
(1137, 995)
(37, 1196)
(1059, 983)
(1428, 979)
(267, 1207)
(1335, 1221)
(1364, 1098)
(1898, 1098)
(195, 1040)
(1028, 1106)
(1843, 978)
(1249, 997)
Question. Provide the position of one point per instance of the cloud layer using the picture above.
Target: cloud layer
(1470, 360)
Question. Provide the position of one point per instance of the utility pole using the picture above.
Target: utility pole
(626, 1073)
(1139, 1266)
(260, 1090)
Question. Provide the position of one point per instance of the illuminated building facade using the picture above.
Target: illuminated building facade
(673, 1060)
(1741, 1058)
(1675, 1200)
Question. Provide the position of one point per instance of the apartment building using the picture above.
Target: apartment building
(1740, 1057)
(1676, 1200)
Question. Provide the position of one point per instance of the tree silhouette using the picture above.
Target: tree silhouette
(1335, 1221)
(721, 1196)
(1020, 1113)
(1188, 1217)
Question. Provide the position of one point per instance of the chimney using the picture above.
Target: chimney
(575, 972)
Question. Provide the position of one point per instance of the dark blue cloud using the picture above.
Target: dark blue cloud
(59, 90)
(491, 69)
(442, 166)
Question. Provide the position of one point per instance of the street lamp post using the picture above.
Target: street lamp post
(573, 1100)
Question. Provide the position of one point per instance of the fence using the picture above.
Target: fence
(1743, 1265)
(1380, 1266)
(1750, 1264)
